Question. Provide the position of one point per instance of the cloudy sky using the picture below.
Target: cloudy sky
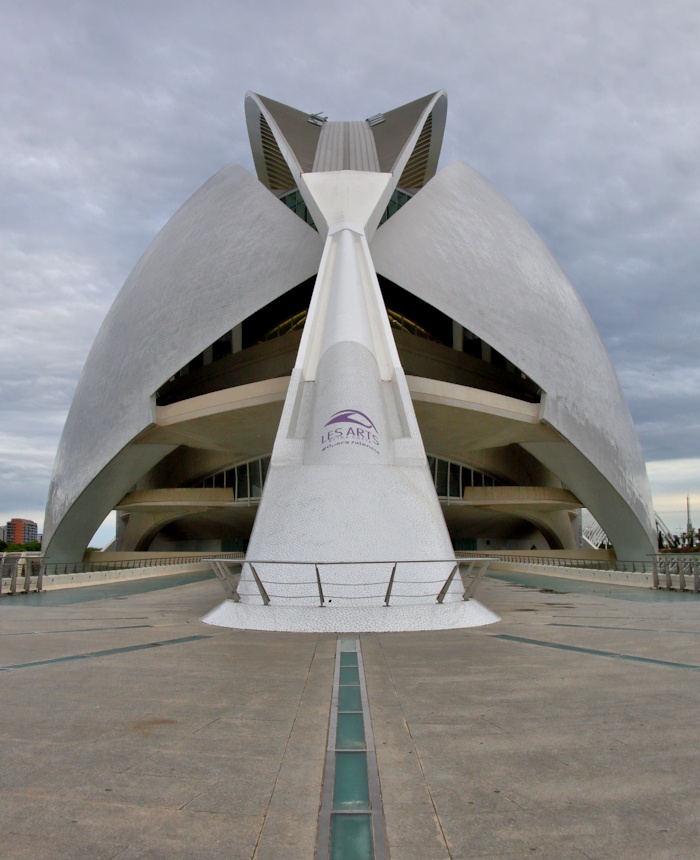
(586, 115)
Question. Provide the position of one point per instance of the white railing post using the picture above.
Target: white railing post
(481, 570)
(261, 587)
(13, 579)
(448, 582)
(669, 584)
(228, 580)
(681, 576)
(387, 596)
(27, 574)
(318, 583)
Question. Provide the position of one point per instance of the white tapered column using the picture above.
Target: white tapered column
(348, 479)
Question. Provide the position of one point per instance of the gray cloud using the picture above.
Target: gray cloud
(584, 115)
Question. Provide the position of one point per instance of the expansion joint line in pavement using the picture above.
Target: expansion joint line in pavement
(351, 822)
(597, 652)
(286, 748)
(108, 652)
(417, 753)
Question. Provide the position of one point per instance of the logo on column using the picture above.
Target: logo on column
(350, 427)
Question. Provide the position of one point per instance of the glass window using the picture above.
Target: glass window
(255, 479)
(471, 344)
(397, 200)
(498, 360)
(454, 481)
(242, 482)
(222, 347)
(466, 478)
(264, 463)
(231, 479)
(431, 466)
(219, 479)
(478, 479)
(441, 482)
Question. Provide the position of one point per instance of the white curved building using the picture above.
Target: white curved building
(347, 269)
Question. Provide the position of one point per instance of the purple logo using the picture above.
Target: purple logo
(350, 416)
(359, 430)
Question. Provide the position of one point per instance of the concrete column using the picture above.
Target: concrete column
(237, 338)
(348, 478)
(457, 336)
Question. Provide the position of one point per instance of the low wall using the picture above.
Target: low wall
(607, 577)
(102, 577)
(99, 557)
(586, 554)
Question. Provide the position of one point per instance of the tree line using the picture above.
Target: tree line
(32, 546)
(687, 541)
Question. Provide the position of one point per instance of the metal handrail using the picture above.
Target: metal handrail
(629, 566)
(60, 568)
(684, 564)
(230, 580)
(15, 567)
(663, 567)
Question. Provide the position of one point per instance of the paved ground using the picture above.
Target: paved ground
(129, 729)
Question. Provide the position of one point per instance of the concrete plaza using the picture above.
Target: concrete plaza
(132, 730)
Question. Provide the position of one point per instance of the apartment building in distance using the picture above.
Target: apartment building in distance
(20, 531)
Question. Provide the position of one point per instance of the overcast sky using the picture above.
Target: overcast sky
(586, 115)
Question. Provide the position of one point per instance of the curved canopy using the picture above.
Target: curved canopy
(210, 267)
(234, 248)
(462, 247)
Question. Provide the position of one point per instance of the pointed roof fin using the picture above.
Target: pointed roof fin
(287, 142)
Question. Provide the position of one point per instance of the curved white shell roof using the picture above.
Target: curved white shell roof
(462, 247)
(211, 266)
(233, 248)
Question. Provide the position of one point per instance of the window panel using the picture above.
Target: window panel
(441, 482)
(242, 482)
(454, 488)
(466, 478)
(255, 479)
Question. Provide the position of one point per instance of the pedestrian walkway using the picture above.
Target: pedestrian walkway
(130, 729)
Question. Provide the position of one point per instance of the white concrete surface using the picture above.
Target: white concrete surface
(364, 619)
